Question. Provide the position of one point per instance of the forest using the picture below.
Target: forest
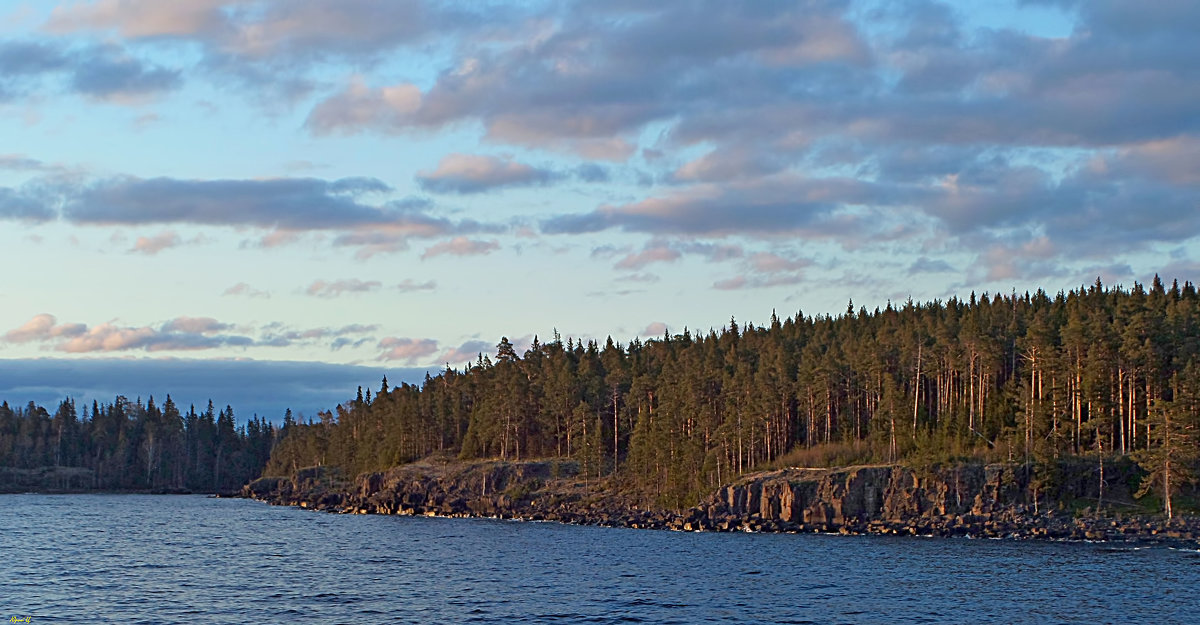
(128, 445)
(1095, 373)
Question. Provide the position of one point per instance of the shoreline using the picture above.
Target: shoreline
(850, 501)
(117, 491)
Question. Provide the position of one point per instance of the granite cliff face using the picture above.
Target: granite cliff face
(540, 490)
(859, 498)
(965, 499)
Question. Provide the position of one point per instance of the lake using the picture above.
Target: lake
(190, 559)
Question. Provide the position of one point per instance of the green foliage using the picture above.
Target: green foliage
(128, 445)
(1028, 378)
(1170, 462)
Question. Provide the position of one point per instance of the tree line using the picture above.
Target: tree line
(1097, 372)
(132, 446)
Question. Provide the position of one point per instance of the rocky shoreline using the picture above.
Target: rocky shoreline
(973, 500)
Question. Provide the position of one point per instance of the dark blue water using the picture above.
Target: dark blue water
(163, 559)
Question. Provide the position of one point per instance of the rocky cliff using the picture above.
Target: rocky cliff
(45, 479)
(963, 499)
(540, 490)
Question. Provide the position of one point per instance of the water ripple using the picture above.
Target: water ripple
(147, 559)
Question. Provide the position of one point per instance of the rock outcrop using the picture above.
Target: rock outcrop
(548, 490)
(46, 480)
(995, 500)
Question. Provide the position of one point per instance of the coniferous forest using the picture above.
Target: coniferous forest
(126, 445)
(1093, 373)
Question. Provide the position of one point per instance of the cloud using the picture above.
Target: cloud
(802, 122)
(21, 205)
(178, 334)
(587, 80)
(411, 286)
(286, 207)
(466, 353)
(105, 72)
(738, 163)
(195, 325)
(470, 173)
(280, 335)
(652, 253)
(108, 337)
(273, 28)
(245, 290)
(25, 58)
(591, 172)
(42, 327)
(731, 284)
(287, 203)
(769, 207)
(262, 387)
(17, 162)
(110, 76)
(461, 246)
(140, 18)
(157, 243)
(1035, 258)
(638, 277)
(655, 329)
(768, 263)
(407, 350)
(336, 288)
(764, 270)
(925, 264)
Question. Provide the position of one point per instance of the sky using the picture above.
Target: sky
(270, 202)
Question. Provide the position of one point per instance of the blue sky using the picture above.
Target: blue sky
(375, 187)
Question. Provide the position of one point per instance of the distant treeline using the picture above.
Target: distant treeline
(1026, 377)
(128, 445)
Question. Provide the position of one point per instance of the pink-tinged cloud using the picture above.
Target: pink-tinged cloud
(731, 284)
(659, 253)
(472, 173)
(139, 18)
(1175, 160)
(197, 325)
(254, 30)
(461, 246)
(657, 328)
(157, 243)
(278, 238)
(758, 282)
(1034, 258)
(467, 353)
(325, 289)
(107, 337)
(183, 333)
(407, 350)
(774, 263)
(41, 328)
(403, 107)
(360, 106)
(245, 290)
(726, 165)
(179, 334)
(395, 237)
(774, 206)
